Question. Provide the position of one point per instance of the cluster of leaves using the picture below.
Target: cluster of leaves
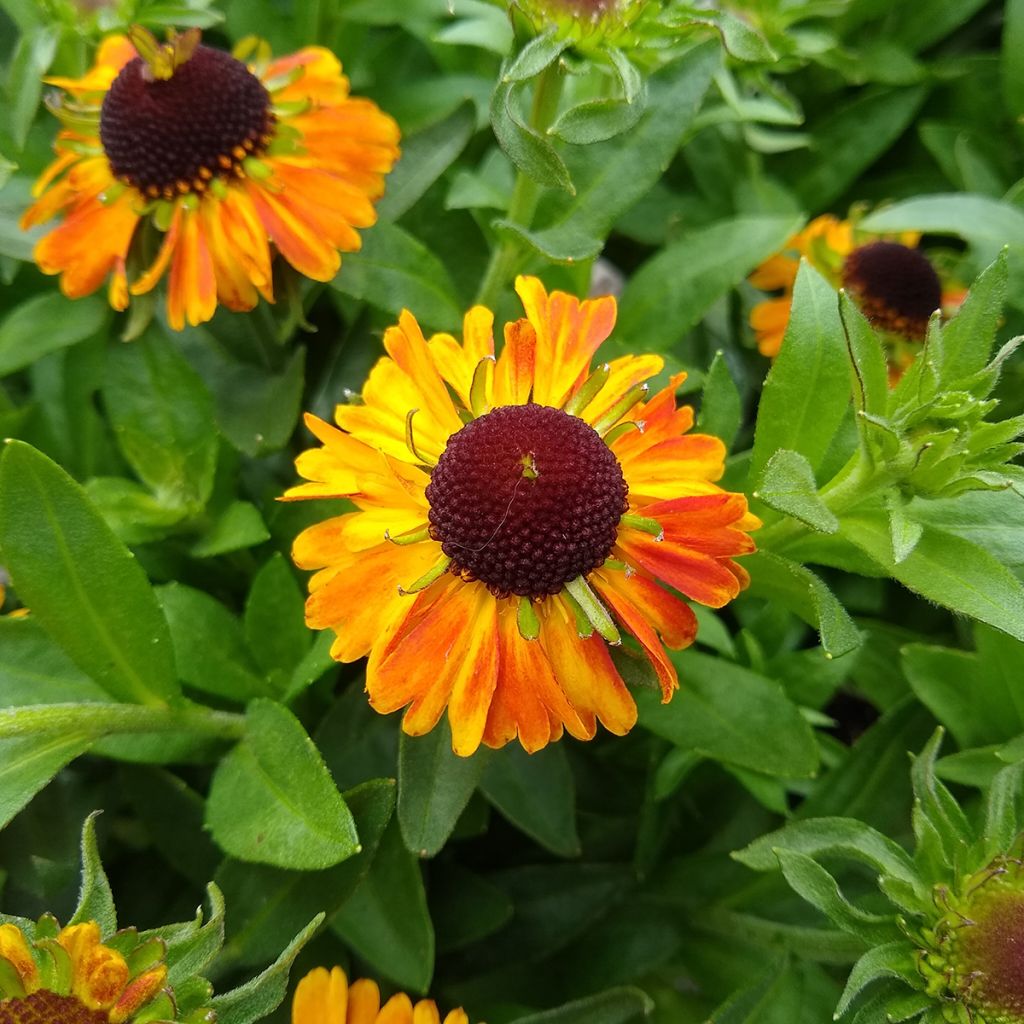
(165, 672)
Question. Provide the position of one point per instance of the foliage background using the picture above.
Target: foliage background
(507, 883)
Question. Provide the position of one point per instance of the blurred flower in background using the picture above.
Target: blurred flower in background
(179, 159)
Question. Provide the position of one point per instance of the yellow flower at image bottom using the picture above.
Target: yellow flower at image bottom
(68, 976)
(517, 515)
(179, 160)
(326, 997)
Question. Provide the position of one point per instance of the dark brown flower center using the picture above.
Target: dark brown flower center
(895, 286)
(525, 499)
(990, 950)
(168, 137)
(45, 1007)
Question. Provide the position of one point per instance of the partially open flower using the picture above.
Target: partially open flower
(589, 23)
(890, 279)
(326, 997)
(179, 159)
(68, 976)
(975, 958)
(517, 514)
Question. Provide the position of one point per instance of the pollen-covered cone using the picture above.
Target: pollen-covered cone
(189, 164)
(69, 976)
(326, 997)
(516, 516)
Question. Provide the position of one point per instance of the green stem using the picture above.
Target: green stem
(98, 720)
(857, 481)
(523, 204)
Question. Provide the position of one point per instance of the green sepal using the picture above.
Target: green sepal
(526, 619)
(54, 967)
(263, 994)
(161, 1007)
(10, 981)
(95, 900)
(193, 995)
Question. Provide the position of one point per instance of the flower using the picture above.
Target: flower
(590, 24)
(974, 956)
(180, 159)
(326, 997)
(890, 279)
(68, 976)
(513, 513)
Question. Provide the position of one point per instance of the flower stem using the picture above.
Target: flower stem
(857, 481)
(523, 204)
(99, 719)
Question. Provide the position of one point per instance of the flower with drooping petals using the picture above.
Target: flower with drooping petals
(326, 997)
(68, 976)
(889, 278)
(516, 515)
(180, 160)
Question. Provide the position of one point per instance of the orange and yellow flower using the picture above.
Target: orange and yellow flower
(68, 975)
(516, 514)
(892, 281)
(182, 161)
(326, 997)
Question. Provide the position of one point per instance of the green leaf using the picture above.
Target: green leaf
(831, 837)
(33, 55)
(268, 902)
(386, 920)
(524, 146)
(27, 764)
(846, 142)
(539, 53)
(1012, 63)
(728, 713)
(256, 410)
(395, 271)
(95, 900)
(81, 582)
(239, 526)
(273, 801)
(1002, 811)
(812, 882)
(536, 793)
(788, 485)
(132, 511)
(937, 806)
(616, 1006)
(34, 670)
(275, 623)
(893, 960)
(968, 338)
(210, 650)
(807, 390)
(721, 406)
(171, 813)
(867, 356)
(979, 219)
(434, 786)
(425, 157)
(920, 25)
(44, 324)
(806, 595)
(672, 291)
(611, 176)
(162, 417)
(947, 570)
(261, 996)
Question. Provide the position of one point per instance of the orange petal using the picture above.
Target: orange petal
(425, 1012)
(14, 949)
(700, 577)
(585, 672)
(633, 619)
(397, 1010)
(363, 1002)
(192, 287)
(569, 332)
(321, 997)
(360, 601)
(87, 246)
(513, 375)
(140, 991)
(99, 974)
(625, 372)
(528, 696)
